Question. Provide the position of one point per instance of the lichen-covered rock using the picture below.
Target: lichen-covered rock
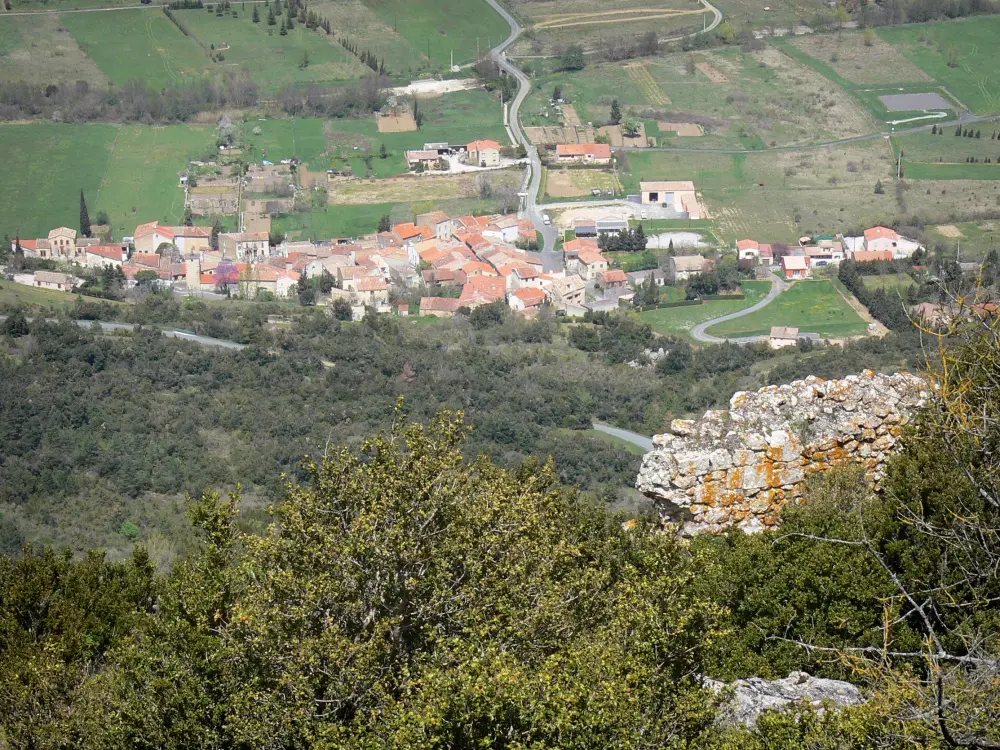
(741, 466)
(754, 696)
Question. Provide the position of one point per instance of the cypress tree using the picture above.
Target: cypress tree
(84, 217)
(256, 15)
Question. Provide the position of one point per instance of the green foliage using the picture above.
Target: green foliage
(406, 598)
(16, 324)
(572, 58)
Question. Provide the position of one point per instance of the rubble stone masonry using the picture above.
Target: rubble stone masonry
(741, 466)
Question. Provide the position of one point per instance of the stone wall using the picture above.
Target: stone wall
(741, 466)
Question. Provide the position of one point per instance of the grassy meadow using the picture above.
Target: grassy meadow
(438, 28)
(40, 50)
(363, 26)
(138, 44)
(678, 321)
(958, 54)
(810, 306)
(302, 56)
(130, 171)
(943, 156)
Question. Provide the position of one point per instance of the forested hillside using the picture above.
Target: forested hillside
(103, 434)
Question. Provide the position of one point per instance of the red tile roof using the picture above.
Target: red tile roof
(530, 297)
(373, 284)
(150, 260)
(747, 245)
(483, 144)
(880, 233)
(111, 252)
(438, 304)
(614, 276)
(869, 256)
(597, 150)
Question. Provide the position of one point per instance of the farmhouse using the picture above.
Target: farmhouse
(427, 158)
(148, 238)
(613, 279)
(677, 195)
(372, 291)
(485, 153)
(590, 263)
(61, 282)
(526, 299)
(244, 245)
(782, 336)
(795, 266)
(637, 278)
(442, 307)
(100, 256)
(883, 238)
(748, 250)
(826, 251)
(683, 267)
(584, 153)
(568, 292)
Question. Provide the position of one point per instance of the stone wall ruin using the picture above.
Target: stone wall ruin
(742, 466)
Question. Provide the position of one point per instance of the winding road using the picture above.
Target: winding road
(172, 333)
(551, 260)
(698, 332)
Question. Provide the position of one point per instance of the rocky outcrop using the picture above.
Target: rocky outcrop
(741, 466)
(750, 698)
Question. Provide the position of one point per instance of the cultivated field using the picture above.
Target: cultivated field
(849, 56)
(766, 98)
(678, 321)
(438, 28)
(810, 306)
(552, 25)
(130, 171)
(574, 183)
(968, 43)
(40, 50)
(414, 188)
(138, 44)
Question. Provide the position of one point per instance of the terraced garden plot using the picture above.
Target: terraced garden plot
(810, 306)
(40, 50)
(139, 44)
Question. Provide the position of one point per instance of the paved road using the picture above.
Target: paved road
(551, 260)
(632, 437)
(698, 332)
(172, 333)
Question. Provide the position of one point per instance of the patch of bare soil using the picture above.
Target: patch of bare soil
(713, 73)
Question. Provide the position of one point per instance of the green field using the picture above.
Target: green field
(285, 138)
(131, 171)
(438, 28)
(974, 76)
(889, 282)
(138, 44)
(943, 156)
(22, 295)
(810, 306)
(360, 24)
(274, 61)
(678, 321)
(781, 13)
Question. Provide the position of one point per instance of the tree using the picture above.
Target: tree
(385, 223)
(383, 153)
(306, 291)
(632, 127)
(255, 17)
(879, 189)
(444, 602)
(84, 217)
(16, 324)
(869, 36)
(283, 31)
(188, 217)
(572, 58)
(690, 66)
(958, 131)
(103, 218)
(271, 18)
(342, 309)
(418, 116)
(726, 32)
(217, 228)
(616, 113)
(979, 134)
(17, 259)
(557, 92)
(841, 16)
(933, 129)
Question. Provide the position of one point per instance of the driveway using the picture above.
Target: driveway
(698, 332)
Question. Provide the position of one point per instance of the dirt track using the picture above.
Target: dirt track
(567, 20)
